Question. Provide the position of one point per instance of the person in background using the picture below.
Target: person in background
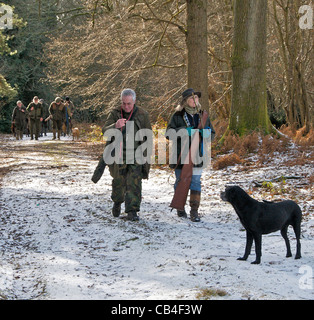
(35, 112)
(57, 114)
(69, 114)
(19, 119)
(44, 126)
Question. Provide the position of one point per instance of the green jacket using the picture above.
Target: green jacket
(57, 111)
(35, 111)
(140, 120)
(19, 116)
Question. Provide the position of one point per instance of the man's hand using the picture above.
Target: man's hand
(120, 123)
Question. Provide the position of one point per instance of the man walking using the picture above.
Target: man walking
(35, 112)
(57, 113)
(19, 119)
(44, 126)
(127, 173)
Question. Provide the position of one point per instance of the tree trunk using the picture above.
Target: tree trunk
(249, 95)
(292, 42)
(197, 48)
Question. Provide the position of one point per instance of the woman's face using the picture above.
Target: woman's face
(192, 101)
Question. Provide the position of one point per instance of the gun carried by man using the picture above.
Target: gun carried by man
(99, 170)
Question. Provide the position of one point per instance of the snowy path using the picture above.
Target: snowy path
(59, 240)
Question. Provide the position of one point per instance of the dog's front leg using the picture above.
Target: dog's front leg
(258, 247)
(249, 242)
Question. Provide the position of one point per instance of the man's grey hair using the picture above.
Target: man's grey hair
(128, 92)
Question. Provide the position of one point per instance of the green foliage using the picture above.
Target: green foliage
(6, 91)
(21, 52)
(267, 185)
(5, 118)
(8, 35)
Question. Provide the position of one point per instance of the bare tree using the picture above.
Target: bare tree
(249, 97)
(197, 48)
(296, 55)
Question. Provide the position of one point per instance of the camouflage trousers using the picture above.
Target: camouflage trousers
(127, 187)
(34, 128)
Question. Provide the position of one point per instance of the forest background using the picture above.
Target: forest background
(90, 50)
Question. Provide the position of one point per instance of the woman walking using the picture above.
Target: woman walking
(188, 115)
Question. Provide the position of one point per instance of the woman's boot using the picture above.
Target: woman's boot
(181, 213)
(195, 198)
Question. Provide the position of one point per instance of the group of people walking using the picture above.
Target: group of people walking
(127, 175)
(36, 116)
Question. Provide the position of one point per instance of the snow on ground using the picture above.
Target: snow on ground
(59, 240)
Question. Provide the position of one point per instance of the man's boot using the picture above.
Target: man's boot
(195, 198)
(54, 134)
(59, 134)
(132, 216)
(116, 209)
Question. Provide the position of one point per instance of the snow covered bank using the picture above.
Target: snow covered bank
(59, 239)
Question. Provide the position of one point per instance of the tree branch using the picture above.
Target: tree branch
(181, 28)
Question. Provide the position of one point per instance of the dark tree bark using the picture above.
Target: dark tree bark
(197, 48)
(249, 96)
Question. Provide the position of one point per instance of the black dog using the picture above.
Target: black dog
(262, 218)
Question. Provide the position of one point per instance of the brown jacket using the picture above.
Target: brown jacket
(57, 111)
(35, 111)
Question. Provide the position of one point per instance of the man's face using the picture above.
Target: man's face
(127, 103)
(36, 101)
